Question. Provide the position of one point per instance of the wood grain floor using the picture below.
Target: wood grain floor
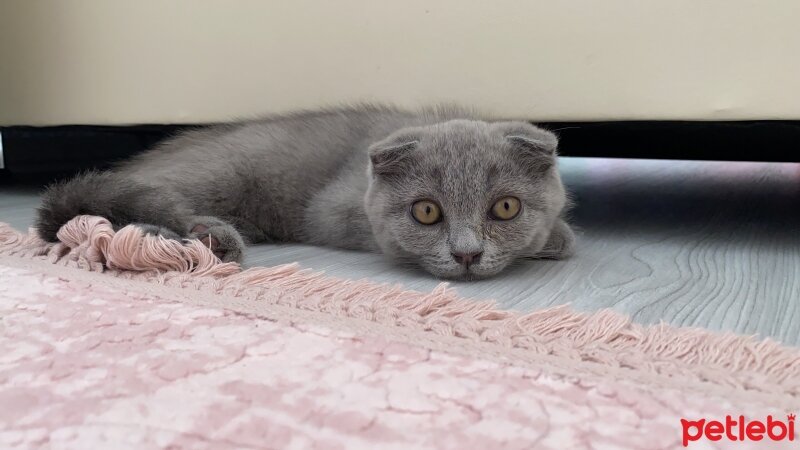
(711, 244)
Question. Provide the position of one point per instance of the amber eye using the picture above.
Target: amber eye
(506, 208)
(426, 212)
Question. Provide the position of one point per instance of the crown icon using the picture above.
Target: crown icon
(791, 416)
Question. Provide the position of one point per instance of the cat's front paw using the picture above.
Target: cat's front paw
(561, 242)
(221, 238)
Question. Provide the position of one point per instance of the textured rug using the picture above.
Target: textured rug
(117, 340)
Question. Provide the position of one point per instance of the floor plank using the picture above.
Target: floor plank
(711, 244)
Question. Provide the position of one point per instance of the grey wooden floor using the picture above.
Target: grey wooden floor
(712, 244)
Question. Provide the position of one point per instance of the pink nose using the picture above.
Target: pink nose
(466, 259)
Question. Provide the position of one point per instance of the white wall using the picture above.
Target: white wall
(133, 61)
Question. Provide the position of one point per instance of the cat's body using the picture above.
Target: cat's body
(341, 177)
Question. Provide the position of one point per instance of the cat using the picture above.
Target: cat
(441, 188)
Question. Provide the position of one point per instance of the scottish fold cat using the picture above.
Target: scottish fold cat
(444, 188)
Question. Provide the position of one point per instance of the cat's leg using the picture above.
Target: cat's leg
(560, 244)
(250, 232)
(218, 235)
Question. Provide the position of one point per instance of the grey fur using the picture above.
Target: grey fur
(342, 177)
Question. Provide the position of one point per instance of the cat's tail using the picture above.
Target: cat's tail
(119, 199)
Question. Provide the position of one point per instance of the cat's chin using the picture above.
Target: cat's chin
(461, 274)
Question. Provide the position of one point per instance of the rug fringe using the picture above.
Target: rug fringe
(604, 337)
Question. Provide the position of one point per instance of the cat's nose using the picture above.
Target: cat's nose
(466, 259)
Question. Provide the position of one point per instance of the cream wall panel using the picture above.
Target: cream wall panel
(159, 61)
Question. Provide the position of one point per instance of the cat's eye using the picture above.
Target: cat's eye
(426, 212)
(506, 208)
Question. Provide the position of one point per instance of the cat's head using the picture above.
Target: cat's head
(464, 198)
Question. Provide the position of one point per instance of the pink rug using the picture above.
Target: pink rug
(115, 340)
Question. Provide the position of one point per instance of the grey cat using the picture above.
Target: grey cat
(459, 196)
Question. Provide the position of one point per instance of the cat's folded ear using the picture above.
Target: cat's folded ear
(388, 156)
(535, 146)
